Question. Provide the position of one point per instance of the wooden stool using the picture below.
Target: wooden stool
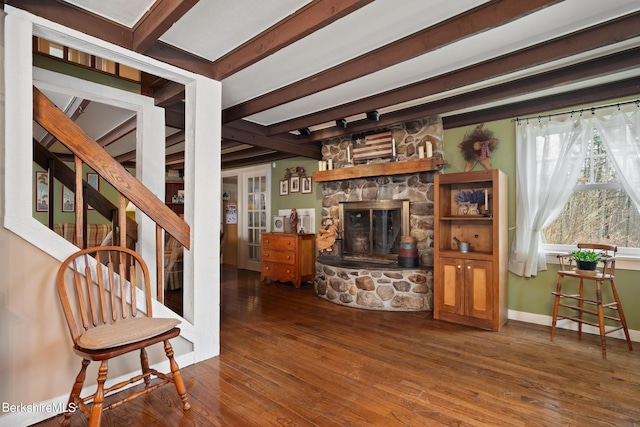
(598, 277)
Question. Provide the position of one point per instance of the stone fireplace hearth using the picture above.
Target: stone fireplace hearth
(378, 286)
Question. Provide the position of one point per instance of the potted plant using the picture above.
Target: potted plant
(587, 259)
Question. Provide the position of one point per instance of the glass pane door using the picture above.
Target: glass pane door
(257, 218)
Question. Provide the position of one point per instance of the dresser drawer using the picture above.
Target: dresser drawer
(272, 241)
(281, 272)
(286, 257)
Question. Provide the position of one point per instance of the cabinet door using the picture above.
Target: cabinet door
(450, 286)
(478, 289)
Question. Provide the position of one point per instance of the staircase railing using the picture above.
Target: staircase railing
(88, 151)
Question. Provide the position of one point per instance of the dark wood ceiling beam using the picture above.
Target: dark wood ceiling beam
(174, 119)
(169, 94)
(256, 140)
(617, 62)
(78, 19)
(314, 16)
(593, 94)
(163, 15)
(118, 132)
(582, 41)
(256, 160)
(175, 138)
(181, 59)
(246, 154)
(474, 21)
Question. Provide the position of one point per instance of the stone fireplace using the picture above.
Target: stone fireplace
(368, 277)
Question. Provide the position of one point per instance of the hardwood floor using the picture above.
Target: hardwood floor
(289, 358)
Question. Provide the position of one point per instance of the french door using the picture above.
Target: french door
(255, 196)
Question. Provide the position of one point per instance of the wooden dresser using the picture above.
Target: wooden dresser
(288, 257)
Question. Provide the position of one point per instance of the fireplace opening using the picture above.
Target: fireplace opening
(371, 230)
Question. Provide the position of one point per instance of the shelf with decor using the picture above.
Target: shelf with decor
(470, 248)
(379, 169)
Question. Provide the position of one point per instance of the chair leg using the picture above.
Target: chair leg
(556, 302)
(581, 307)
(144, 363)
(75, 392)
(603, 340)
(177, 376)
(621, 314)
(98, 398)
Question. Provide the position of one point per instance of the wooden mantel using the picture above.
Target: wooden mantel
(379, 169)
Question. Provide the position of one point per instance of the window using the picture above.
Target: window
(599, 209)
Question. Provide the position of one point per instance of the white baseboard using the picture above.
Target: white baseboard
(540, 319)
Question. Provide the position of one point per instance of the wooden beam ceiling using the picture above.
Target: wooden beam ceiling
(477, 20)
(316, 15)
(583, 41)
(152, 26)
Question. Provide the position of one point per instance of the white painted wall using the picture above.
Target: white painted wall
(36, 363)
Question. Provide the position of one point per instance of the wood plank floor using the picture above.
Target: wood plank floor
(289, 358)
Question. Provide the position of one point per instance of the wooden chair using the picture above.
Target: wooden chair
(583, 305)
(103, 313)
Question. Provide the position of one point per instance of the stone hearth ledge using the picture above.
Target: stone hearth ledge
(376, 287)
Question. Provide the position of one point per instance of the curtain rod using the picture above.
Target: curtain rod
(580, 111)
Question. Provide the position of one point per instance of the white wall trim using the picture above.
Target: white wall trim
(203, 107)
(540, 319)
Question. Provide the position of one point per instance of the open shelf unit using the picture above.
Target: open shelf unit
(471, 288)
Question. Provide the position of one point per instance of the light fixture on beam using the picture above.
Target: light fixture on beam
(304, 131)
(341, 123)
(373, 115)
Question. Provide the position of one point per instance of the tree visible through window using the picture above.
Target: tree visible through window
(599, 209)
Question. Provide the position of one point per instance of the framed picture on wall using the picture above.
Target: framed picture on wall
(294, 184)
(42, 191)
(284, 187)
(93, 179)
(68, 200)
(306, 185)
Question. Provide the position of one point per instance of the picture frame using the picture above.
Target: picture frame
(284, 187)
(42, 191)
(294, 184)
(306, 185)
(68, 200)
(93, 179)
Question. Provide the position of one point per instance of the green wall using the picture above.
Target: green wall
(296, 200)
(533, 295)
(60, 217)
(528, 295)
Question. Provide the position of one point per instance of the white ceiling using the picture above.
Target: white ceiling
(211, 29)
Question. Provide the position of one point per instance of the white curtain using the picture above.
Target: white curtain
(621, 138)
(549, 157)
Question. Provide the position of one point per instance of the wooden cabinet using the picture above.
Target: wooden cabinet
(288, 257)
(471, 288)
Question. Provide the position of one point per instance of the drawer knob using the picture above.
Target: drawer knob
(266, 268)
(288, 256)
(266, 255)
(468, 267)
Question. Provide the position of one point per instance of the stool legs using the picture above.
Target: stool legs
(621, 315)
(599, 310)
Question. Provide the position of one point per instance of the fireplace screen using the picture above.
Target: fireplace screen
(372, 230)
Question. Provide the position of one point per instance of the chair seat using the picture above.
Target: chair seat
(125, 332)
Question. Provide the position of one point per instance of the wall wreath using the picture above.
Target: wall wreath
(477, 146)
